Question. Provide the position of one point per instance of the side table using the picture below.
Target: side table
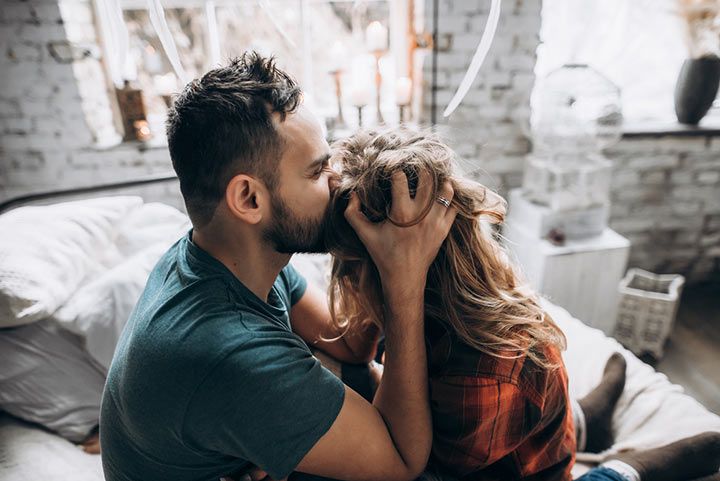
(582, 275)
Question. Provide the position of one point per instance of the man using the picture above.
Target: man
(211, 376)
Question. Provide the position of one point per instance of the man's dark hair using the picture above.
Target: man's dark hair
(221, 125)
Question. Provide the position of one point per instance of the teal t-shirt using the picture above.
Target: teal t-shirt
(207, 378)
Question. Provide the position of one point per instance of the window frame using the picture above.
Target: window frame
(398, 30)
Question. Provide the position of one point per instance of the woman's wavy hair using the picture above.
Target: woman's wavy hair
(472, 289)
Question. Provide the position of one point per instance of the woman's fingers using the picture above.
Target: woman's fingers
(354, 215)
(424, 190)
(259, 475)
(256, 474)
(448, 214)
(401, 208)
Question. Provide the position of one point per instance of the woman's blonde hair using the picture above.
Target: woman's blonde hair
(472, 289)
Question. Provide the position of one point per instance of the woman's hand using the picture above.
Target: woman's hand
(256, 474)
(403, 255)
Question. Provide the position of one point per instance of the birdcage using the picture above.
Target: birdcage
(576, 113)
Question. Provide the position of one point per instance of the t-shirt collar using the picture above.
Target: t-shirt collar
(275, 305)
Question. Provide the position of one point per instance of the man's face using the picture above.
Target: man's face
(300, 203)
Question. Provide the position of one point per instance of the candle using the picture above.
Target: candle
(376, 36)
(165, 84)
(337, 56)
(403, 91)
(360, 95)
(142, 130)
(153, 60)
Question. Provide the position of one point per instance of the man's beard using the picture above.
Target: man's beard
(290, 235)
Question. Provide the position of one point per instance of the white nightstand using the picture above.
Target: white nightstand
(582, 275)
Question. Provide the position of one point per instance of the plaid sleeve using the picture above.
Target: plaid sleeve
(478, 421)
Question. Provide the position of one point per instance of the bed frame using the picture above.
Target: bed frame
(21, 200)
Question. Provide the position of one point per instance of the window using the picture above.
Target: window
(310, 38)
(638, 44)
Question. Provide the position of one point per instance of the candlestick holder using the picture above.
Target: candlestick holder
(132, 108)
(378, 54)
(340, 119)
(359, 114)
(401, 108)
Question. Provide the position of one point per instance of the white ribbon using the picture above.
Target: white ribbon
(478, 58)
(157, 18)
(115, 37)
(265, 7)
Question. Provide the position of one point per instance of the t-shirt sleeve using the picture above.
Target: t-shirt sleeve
(267, 402)
(295, 283)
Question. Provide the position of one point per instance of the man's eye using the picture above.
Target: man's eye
(325, 167)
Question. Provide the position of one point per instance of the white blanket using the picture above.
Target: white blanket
(651, 412)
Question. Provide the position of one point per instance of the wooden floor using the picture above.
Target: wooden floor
(692, 354)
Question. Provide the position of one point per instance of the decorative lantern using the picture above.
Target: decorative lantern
(577, 112)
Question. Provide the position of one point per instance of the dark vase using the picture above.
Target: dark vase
(696, 88)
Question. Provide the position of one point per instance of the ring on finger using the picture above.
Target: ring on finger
(442, 200)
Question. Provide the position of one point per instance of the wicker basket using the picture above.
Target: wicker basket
(646, 314)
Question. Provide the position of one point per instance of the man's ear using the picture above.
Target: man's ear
(246, 198)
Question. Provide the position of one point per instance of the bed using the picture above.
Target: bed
(71, 271)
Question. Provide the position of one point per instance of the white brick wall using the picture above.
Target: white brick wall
(670, 187)
(666, 191)
(486, 127)
(51, 113)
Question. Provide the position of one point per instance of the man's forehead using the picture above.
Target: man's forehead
(301, 132)
(302, 122)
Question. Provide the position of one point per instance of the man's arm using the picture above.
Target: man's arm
(311, 320)
(391, 438)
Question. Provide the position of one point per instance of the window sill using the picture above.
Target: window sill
(708, 127)
(159, 142)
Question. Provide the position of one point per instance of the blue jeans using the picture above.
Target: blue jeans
(601, 474)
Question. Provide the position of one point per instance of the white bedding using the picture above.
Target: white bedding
(651, 411)
(47, 251)
(98, 309)
(76, 272)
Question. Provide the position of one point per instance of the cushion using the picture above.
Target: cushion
(53, 370)
(47, 377)
(47, 251)
(101, 306)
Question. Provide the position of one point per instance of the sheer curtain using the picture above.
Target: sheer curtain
(115, 37)
(638, 44)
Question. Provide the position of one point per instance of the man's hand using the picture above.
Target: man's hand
(403, 255)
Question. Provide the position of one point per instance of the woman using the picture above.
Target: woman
(499, 395)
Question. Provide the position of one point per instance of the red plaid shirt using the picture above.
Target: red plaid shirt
(499, 419)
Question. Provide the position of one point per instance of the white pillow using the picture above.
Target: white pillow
(153, 222)
(47, 251)
(48, 378)
(100, 307)
(98, 311)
